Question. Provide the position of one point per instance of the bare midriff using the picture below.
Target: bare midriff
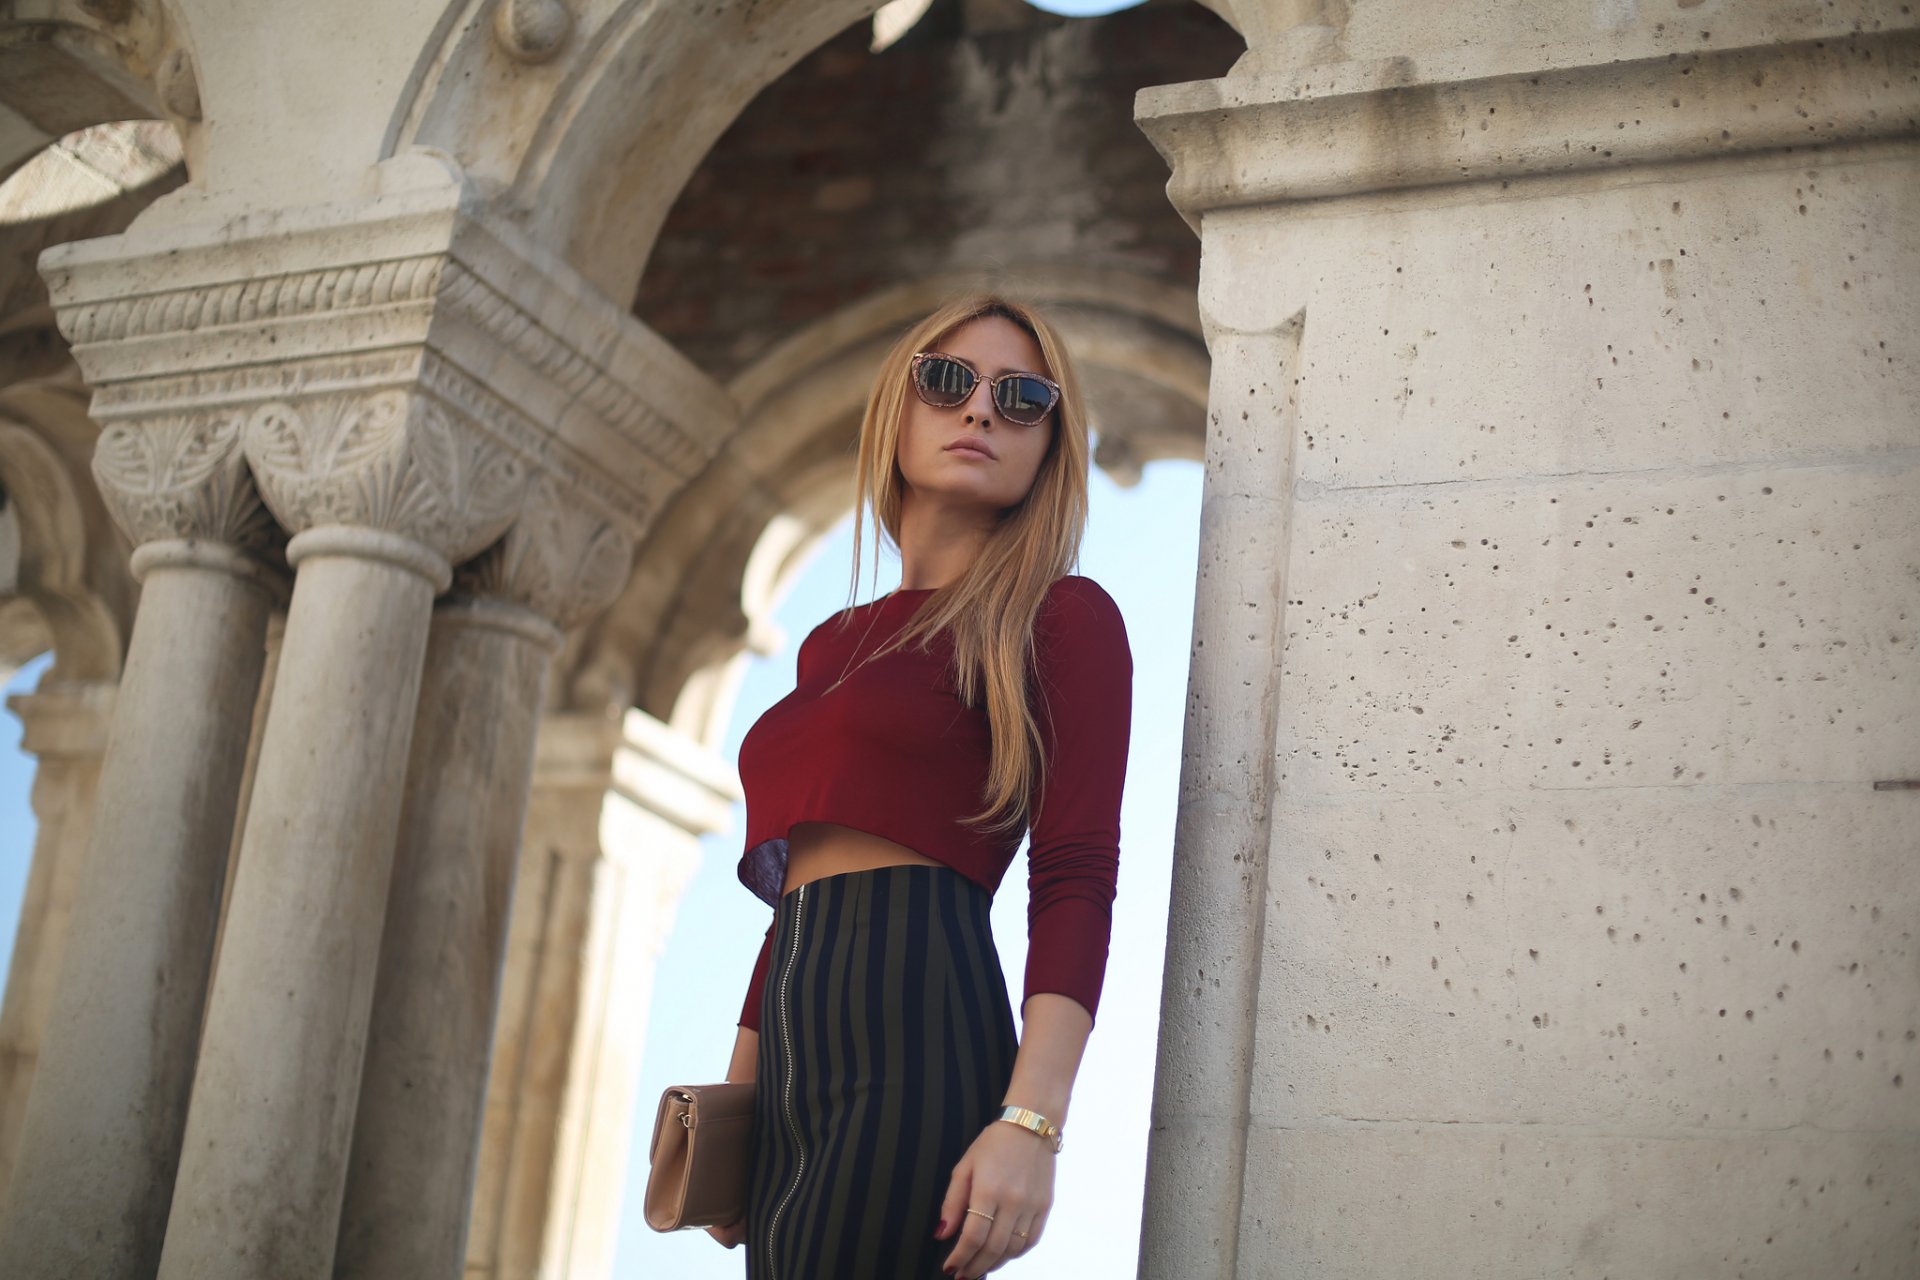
(817, 849)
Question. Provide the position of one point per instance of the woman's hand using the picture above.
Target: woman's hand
(730, 1233)
(1007, 1172)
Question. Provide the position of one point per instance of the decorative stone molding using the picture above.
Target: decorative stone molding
(560, 558)
(581, 374)
(181, 476)
(389, 461)
(397, 365)
(1351, 128)
(532, 30)
(255, 299)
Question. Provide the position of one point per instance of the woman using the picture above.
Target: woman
(900, 1130)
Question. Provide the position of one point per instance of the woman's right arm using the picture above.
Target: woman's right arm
(746, 1052)
(744, 1066)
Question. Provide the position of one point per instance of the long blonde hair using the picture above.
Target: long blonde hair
(990, 610)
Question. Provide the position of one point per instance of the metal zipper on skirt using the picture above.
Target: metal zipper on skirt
(786, 1082)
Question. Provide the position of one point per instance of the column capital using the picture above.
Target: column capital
(389, 460)
(182, 476)
(396, 364)
(562, 557)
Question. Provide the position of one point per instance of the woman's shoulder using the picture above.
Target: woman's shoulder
(1077, 594)
(1075, 586)
(1079, 613)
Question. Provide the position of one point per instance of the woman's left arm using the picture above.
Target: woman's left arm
(1008, 1169)
(1084, 673)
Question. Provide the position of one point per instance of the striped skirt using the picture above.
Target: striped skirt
(886, 1046)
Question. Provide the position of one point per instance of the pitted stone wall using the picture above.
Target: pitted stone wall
(1559, 570)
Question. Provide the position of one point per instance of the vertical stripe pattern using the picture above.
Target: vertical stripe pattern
(886, 1046)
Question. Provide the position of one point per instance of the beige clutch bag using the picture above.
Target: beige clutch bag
(700, 1157)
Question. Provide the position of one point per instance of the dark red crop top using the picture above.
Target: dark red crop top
(894, 752)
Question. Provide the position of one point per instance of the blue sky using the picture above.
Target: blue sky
(1142, 546)
(1083, 8)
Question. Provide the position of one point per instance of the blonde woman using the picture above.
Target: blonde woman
(900, 1128)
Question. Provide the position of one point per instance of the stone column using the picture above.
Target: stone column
(417, 1137)
(104, 1120)
(264, 1163)
(396, 371)
(1210, 988)
(65, 728)
(1539, 906)
(71, 569)
(270, 667)
(613, 834)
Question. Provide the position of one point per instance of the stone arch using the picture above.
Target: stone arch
(68, 64)
(707, 579)
(607, 114)
(71, 593)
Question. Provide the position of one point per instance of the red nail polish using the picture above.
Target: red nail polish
(940, 1230)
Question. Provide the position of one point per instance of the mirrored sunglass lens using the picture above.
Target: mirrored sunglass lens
(1023, 399)
(945, 381)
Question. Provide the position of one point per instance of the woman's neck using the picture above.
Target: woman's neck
(939, 542)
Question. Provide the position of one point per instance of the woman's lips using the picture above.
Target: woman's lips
(969, 451)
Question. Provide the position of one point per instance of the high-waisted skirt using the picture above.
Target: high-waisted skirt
(886, 1047)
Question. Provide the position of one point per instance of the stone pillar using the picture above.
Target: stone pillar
(65, 728)
(397, 372)
(1536, 908)
(270, 668)
(613, 835)
(71, 568)
(104, 1119)
(1210, 988)
(262, 1172)
(417, 1137)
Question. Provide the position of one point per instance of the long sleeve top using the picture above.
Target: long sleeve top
(892, 751)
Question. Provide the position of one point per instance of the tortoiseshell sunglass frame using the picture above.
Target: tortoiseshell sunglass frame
(993, 386)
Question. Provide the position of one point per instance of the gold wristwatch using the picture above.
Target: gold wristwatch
(1035, 1121)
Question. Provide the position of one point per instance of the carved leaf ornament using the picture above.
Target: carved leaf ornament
(181, 477)
(561, 558)
(386, 461)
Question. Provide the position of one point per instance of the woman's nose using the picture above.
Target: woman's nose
(980, 403)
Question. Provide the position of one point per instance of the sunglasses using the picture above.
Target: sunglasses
(944, 381)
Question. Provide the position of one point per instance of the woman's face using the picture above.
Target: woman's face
(1002, 476)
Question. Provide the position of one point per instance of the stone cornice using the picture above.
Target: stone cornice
(1357, 128)
(411, 296)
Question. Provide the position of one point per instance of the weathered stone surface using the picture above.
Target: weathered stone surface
(1606, 1201)
(103, 1124)
(1558, 565)
(1596, 486)
(65, 727)
(612, 836)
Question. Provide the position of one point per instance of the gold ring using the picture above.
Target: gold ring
(987, 1216)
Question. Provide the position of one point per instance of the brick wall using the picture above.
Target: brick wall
(953, 147)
